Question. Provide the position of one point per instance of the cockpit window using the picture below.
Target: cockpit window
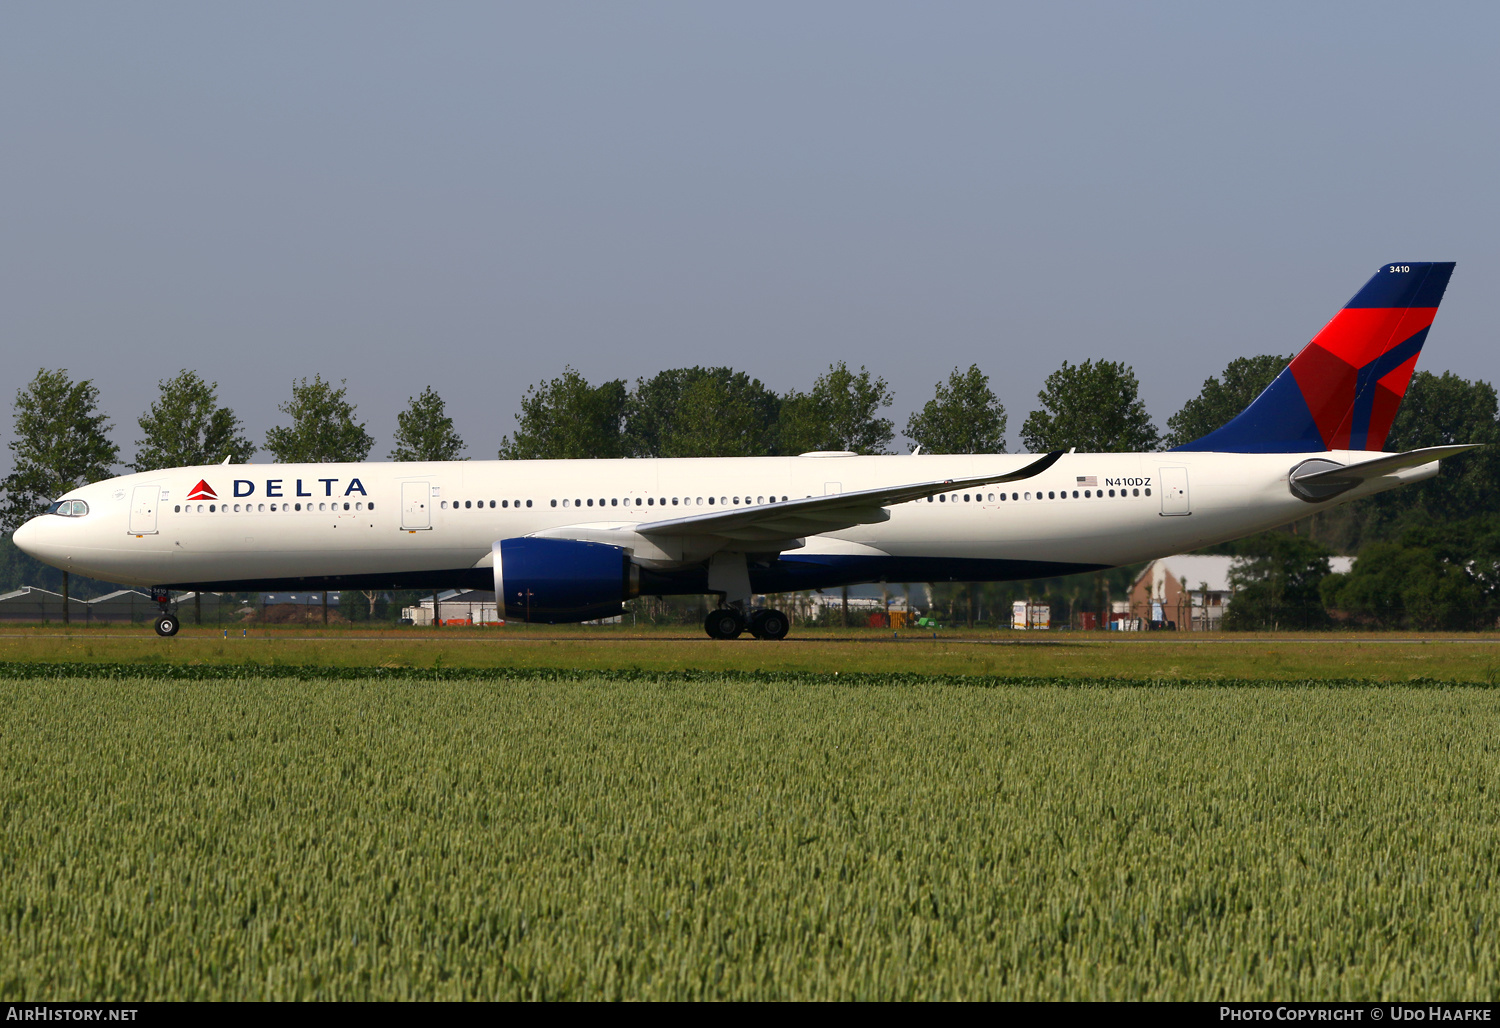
(69, 508)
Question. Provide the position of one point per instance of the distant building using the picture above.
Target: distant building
(457, 607)
(314, 599)
(866, 598)
(1189, 590)
(29, 603)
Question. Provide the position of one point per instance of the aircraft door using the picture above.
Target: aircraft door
(416, 506)
(1174, 492)
(143, 509)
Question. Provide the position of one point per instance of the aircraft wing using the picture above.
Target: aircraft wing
(792, 519)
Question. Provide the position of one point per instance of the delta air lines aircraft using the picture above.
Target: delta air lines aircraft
(569, 540)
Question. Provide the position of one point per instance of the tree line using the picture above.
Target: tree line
(61, 439)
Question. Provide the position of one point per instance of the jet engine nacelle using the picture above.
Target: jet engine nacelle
(562, 580)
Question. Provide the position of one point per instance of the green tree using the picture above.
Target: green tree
(186, 427)
(651, 409)
(1434, 576)
(701, 412)
(1220, 402)
(61, 442)
(568, 418)
(964, 417)
(323, 429)
(1276, 584)
(840, 413)
(1094, 406)
(424, 431)
(1396, 586)
(1441, 409)
(1437, 409)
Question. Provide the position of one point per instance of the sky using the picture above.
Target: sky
(472, 196)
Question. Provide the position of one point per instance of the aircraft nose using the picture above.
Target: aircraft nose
(30, 539)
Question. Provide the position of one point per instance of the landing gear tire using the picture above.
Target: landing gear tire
(769, 624)
(723, 624)
(166, 625)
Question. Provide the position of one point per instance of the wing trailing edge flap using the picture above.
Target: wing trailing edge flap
(1318, 479)
(770, 527)
(815, 514)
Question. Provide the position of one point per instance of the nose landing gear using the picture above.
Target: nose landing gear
(167, 624)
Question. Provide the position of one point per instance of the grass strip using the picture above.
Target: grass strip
(154, 670)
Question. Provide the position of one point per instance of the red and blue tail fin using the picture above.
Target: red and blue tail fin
(1342, 391)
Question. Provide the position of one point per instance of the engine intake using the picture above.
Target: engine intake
(562, 580)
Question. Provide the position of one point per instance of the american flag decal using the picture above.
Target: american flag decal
(1088, 480)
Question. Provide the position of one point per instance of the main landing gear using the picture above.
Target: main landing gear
(728, 623)
(167, 624)
(769, 624)
(729, 579)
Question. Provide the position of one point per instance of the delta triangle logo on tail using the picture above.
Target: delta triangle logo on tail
(1341, 392)
(202, 491)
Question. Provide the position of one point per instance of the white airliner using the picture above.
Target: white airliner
(569, 540)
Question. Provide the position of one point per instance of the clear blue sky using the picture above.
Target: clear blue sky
(472, 195)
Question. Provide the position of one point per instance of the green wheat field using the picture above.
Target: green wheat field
(243, 832)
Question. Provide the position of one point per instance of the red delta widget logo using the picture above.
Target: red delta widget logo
(276, 488)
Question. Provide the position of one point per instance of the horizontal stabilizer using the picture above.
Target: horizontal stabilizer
(1316, 480)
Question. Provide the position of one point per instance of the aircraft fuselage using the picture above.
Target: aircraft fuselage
(433, 525)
